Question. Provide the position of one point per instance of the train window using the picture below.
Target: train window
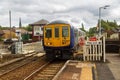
(56, 32)
(48, 33)
(65, 31)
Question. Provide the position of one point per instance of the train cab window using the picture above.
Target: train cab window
(48, 32)
(56, 32)
(65, 31)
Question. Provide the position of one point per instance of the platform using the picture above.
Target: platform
(78, 70)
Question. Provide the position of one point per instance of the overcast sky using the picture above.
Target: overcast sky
(74, 11)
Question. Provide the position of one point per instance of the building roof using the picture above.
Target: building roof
(40, 22)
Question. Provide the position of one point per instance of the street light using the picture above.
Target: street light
(103, 7)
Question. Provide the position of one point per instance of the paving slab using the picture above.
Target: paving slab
(114, 64)
(79, 70)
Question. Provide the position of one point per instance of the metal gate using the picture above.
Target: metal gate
(94, 50)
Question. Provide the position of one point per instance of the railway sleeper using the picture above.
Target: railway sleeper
(48, 73)
(43, 78)
(53, 68)
(49, 70)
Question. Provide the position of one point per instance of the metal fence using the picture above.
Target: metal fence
(94, 50)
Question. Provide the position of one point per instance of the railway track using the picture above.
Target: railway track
(19, 70)
(47, 71)
(22, 61)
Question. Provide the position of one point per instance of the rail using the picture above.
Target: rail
(20, 70)
(36, 71)
(46, 72)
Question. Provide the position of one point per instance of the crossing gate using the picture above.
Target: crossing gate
(94, 50)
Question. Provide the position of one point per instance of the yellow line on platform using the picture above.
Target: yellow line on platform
(86, 73)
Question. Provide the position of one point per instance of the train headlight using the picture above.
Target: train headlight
(48, 43)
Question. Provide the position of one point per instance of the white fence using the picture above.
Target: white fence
(94, 50)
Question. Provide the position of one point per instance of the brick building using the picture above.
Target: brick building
(37, 29)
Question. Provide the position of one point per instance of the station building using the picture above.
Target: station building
(37, 29)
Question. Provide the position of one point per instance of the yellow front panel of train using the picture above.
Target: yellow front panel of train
(57, 35)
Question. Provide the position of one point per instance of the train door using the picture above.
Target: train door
(57, 39)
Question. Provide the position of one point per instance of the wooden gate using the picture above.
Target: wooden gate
(94, 50)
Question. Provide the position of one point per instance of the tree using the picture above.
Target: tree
(83, 29)
(28, 28)
(0, 27)
(92, 31)
(105, 25)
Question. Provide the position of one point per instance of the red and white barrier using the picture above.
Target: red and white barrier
(94, 49)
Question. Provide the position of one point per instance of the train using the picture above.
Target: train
(61, 39)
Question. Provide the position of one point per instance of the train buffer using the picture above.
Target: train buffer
(77, 70)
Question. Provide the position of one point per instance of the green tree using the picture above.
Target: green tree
(92, 31)
(105, 25)
(83, 29)
(28, 28)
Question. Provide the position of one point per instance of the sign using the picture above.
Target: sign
(81, 41)
(93, 39)
(93, 42)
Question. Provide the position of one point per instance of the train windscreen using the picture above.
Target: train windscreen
(48, 32)
(56, 32)
(65, 32)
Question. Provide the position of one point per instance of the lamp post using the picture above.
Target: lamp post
(103, 7)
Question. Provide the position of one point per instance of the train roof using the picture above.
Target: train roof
(59, 22)
(62, 22)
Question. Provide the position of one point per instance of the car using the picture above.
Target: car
(10, 40)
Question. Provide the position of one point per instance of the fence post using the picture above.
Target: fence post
(84, 51)
(104, 49)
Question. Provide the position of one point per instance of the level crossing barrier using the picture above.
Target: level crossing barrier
(94, 50)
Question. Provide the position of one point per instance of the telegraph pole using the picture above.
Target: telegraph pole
(10, 22)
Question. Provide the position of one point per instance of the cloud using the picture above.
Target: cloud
(74, 11)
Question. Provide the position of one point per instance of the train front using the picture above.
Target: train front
(57, 40)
